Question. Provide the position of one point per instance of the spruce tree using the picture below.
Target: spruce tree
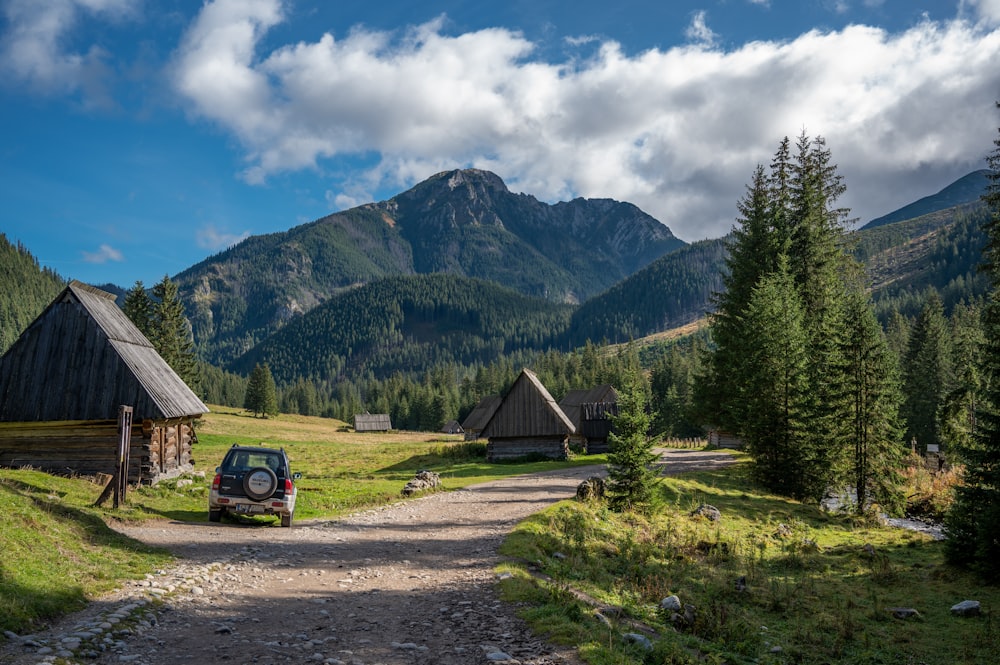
(631, 475)
(262, 396)
(138, 307)
(875, 391)
(974, 519)
(927, 377)
(171, 333)
(774, 387)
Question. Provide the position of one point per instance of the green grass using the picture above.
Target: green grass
(58, 552)
(812, 589)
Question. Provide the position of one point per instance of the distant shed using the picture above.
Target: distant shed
(590, 412)
(63, 380)
(452, 427)
(479, 416)
(372, 422)
(527, 422)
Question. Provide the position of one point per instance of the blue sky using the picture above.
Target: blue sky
(141, 137)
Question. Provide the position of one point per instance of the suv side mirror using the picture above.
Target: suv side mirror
(296, 476)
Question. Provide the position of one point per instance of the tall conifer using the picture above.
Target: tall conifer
(171, 333)
(974, 519)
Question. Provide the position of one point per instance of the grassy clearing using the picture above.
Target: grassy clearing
(57, 551)
(814, 592)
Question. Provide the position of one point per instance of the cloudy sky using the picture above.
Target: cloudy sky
(142, 136)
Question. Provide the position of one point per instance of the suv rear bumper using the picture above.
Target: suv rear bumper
(245, 506)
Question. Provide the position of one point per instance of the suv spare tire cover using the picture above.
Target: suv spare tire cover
(260, 483)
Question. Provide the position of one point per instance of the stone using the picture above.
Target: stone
(904, 613)
(639, 640)
(710, 513)
(591, 489)
(671, 604)
(422, 481)
(966, 608)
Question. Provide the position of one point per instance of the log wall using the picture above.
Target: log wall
(515, 448)
(89, 447)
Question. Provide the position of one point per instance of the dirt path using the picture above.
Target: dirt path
(410, 583)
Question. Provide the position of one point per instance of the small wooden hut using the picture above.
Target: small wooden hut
(590, 412)
(372, 422)
(527, 422)
(64, 379)
(718, 438)
(479, 416)
(452, 427)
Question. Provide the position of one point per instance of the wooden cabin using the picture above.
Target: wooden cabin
(528, 422)
(452, 427)
(718, 438)
(64, 379)
(479, 416)
(590, 412)
(372, 422)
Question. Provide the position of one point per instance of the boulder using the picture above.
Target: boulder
(966, 608)
(591, 488)
(424, 480)
(708, 512)
(671, 604)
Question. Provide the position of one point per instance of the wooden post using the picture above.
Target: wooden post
(124, 442)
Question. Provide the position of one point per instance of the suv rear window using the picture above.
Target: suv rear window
(244, 460)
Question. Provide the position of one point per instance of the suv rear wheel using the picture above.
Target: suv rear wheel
(286, 519)
(260, 483)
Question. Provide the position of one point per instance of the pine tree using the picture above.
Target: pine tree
(874, 384)
(262, 396)
(631, 475)
(171, 333)
(974, 519)
(138, 307)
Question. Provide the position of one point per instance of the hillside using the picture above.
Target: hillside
(465, 223)
(409, 324)
(25, 290)
(965, 190)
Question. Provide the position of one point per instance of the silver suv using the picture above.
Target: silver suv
(253, 480)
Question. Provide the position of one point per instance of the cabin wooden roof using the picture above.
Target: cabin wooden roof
(479, 416)
(528, 410)
(574, 400)
(372, 422)
(81, 359)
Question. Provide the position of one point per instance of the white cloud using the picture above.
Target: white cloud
(33, 50)
(988, 11)
(677, 132)
(698, 30)
(210, 238)
(104, 254)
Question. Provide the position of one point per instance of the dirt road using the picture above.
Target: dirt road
(410, 583)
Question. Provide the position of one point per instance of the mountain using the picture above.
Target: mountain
(965, 190)
(25, 290)
(409, 323)
(464, 222)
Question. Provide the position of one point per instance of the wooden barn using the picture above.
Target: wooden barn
(372, 422)
(527, 422)
(590, 412)
(64, 379)
(479, 416)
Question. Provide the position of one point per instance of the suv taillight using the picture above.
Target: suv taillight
(289, 487)
(215, 483)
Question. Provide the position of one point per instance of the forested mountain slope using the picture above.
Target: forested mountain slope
(409, 324)
(25, 290)
(465, 223)
(966, 189)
